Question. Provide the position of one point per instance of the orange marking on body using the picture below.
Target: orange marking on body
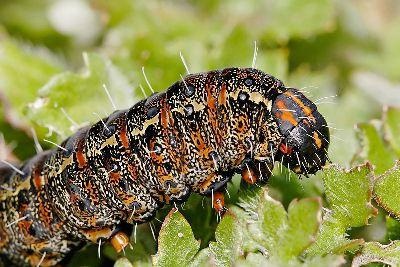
(163, 176)
(166, 119)
(92, 220)
(81, 159)
(242, 126)
(205, 153)
(212, 117)
(210, 98)
(38, 180)
(24, 226)
(154, 156)
(133, 171)
(119, 241)
(80, 156)
(23, 208)
(129, 199)
(73, 198)
(220, 130)
(200, 144)
(219, 202)
(318, 140)
(284, 114)
(307, 111)
(249, 176)
(124, 137)
(165, 198)
(285, 149)
(94, 234)
(3, 235)
(207, 182)
(44, 214)
(222, 98)
(115, 177)
(89, 186)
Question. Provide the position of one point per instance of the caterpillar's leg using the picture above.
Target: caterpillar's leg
(219, 203)
(214, 187)
(116, 234)
(256, 171)
(119, 241)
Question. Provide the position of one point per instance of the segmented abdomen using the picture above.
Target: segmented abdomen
(191, 138)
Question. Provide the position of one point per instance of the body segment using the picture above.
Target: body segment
(189, 139)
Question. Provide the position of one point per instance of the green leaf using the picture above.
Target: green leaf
(203, 258)
(228, 237)
(386, 190)
(81, 96)
(392, 229)
(349, 194)
(23, 70)
(253, 259)
(332, 239)
(376, 252)
(87, 256)
(143, 246)
(245, 219)
(270, 223)
(373, 147)
(198, 211)
(282, 235)
(327, 261)
(304, 218)
(176, 243)
(391, 126)
(14, 133)
(123, 262)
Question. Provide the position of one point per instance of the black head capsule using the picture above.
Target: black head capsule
(304, 148)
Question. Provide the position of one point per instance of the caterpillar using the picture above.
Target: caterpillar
(191, 138)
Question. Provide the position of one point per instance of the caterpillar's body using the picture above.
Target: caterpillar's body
(191, 138)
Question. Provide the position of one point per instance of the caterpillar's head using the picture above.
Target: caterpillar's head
(305, 144)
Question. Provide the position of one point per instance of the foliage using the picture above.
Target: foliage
(53, 69)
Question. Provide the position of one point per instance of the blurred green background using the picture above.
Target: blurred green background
(344, 54)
